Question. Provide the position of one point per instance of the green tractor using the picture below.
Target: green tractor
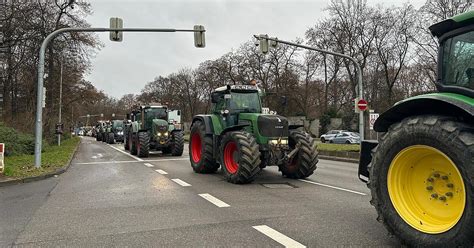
(100, 131)
(151, 128)
(421, 171)
(114, 131)
(239, 137)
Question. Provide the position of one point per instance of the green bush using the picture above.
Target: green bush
(16, 143)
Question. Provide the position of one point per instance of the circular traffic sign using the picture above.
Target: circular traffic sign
(362, 105)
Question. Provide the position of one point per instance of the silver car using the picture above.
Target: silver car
(330, 135)
(346, 138)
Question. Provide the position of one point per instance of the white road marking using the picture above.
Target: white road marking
(278, 237)
(162, 172)
(333, 187)
(148, 165)
(131, 161)
(99, 155)
(214, 200)
(130, 155)
(181, 182)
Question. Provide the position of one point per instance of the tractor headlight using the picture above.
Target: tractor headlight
(279, 142)
(120, 133)
(159, 134)
(166, 134)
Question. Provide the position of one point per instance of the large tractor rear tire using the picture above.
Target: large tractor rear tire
(178, 143)
(304, 162)
(132, 144)
(240, 156)
(201, 150)
(98, 137)
(143, 145)
(111, 138)
(422, 181)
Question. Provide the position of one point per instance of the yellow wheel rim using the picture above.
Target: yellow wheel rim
(426, 189)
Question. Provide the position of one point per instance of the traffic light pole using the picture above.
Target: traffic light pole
(353, 60)
(44, 45)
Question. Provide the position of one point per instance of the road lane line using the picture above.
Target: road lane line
(278, 237)
(214, 200)
(333, 187)
(168, 159)
(162, 172)
(181, 182)
(130, 155)
(148, 165)
(131, 161)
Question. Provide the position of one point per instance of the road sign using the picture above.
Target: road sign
(372, 118)
(116, 22)
(2, 151)
(362, 105)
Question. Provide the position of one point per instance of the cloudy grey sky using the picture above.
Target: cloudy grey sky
(125, 67)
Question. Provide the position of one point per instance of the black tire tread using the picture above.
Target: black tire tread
(249, 163)
(208, 163)
(178, 143)
(456, 135)
(144, 140)
(308, 156)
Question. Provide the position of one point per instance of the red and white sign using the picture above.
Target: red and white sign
(2, 150)
(362, 105)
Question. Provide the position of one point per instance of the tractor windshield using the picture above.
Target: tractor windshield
(155, 113)
(245, 102)
(458, 61)
(118, 125)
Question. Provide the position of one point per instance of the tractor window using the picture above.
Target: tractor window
(245, 102)
(458, 61)
(155, 113)
(219, 106)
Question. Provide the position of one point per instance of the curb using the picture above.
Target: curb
(349, 160)
(42, 177)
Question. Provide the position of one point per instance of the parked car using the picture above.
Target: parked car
(346, 138)
(330, 135)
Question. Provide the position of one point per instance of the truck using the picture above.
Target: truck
(150, 128)
(421, 170)
(242, 140)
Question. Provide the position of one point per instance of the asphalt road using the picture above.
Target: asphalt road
(109, 198)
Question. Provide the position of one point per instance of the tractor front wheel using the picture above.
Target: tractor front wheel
(143, 144)
(240, 156)
(132, 146)
(303, 164)
(201, 150)
(178, 143)
(422, 181)
(111, 139)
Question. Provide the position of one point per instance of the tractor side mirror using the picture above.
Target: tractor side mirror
(215, 97)
(128, 117)
(179, 112)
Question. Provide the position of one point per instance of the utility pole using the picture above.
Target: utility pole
(199, 41)
(60, 100)
(264, 46)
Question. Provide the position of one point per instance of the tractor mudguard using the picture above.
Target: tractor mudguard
(235, 128)
(206, 119)
(366, 147)
(292, 127)
(447, 104)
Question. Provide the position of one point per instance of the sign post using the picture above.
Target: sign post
(2, 152)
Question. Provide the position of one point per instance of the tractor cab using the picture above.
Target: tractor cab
(456, 60)
(146, 114)
(231, 100)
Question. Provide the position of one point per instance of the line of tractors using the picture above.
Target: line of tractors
(420, 172)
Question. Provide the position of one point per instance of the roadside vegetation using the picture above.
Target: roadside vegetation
(19, 153)
(338, 147)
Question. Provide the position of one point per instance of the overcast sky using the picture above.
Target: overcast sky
(125, 67)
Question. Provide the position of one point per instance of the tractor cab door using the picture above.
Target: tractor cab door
(222, 109)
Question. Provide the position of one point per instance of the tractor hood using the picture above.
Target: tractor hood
(159, 125)
(272, 125)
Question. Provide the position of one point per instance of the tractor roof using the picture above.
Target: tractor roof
(240, 88)
(452, 23)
